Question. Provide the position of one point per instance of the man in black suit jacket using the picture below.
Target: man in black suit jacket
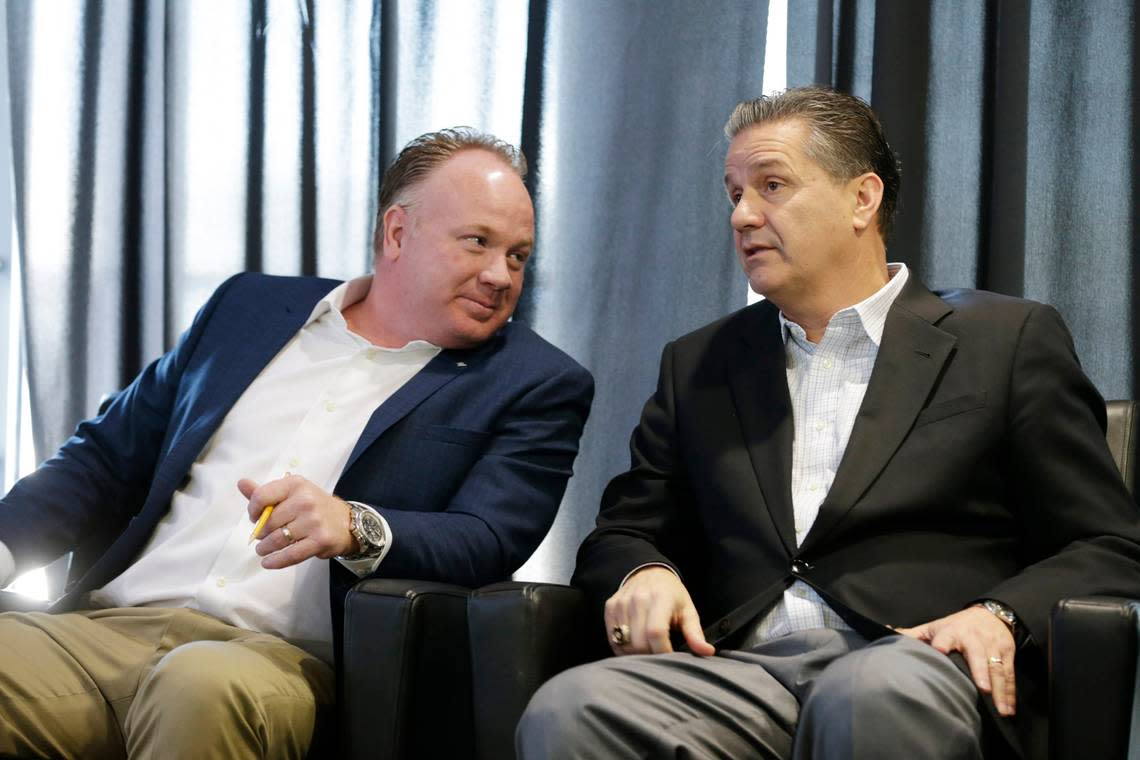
(864, 497)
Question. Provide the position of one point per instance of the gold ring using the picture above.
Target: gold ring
(620, 635)
(995, 660)
(287, 533)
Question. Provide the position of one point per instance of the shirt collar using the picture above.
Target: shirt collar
(340, 298)
(346, 294)
(871, 312)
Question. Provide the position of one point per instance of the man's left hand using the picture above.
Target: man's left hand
(307, 521)
(986, 644)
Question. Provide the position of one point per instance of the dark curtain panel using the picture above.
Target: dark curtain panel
(1017, 124)
(634, 247)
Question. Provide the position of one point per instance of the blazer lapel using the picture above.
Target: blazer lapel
(759, 387)
(445, 367)
(261, 338)
(911, 356)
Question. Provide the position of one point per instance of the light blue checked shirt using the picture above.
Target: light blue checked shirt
(827, 382)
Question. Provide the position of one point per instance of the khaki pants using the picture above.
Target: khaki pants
(154, 683)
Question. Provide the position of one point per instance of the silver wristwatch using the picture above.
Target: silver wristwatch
(368, 531)
(1005, 615)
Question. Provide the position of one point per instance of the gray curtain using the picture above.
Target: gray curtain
(1017, 124)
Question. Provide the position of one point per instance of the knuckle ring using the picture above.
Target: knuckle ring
(995, 660)
(619, 635)
(287, 533)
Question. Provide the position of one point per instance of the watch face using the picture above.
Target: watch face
(372, 529)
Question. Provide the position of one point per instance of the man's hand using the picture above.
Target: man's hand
(652, 602)
(316, 521)
(986, 644)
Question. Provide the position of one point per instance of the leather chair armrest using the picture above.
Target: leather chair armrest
(405, 676)
(521, 635)
(1092, 677)
(13, 602)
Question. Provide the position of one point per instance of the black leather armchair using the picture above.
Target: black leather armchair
(525, 633)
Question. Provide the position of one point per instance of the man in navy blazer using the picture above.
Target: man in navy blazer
(397, 425)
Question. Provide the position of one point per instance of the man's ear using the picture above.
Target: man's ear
(394, 224)
(868, 190)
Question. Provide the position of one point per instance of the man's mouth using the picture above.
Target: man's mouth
(754, 250)
(481, 305)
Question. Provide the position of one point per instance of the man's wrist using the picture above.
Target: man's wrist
(646, 566)
(353, 545)
(1007, 616)
(369, 532)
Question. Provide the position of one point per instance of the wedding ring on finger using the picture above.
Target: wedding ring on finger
(995, 660)
(619, 635)
(287, 533)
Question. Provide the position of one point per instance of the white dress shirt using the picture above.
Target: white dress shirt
(302, 415)
(826, 382)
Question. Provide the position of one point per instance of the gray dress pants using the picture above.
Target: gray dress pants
(813, 694)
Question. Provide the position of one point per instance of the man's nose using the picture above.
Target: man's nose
(496, 274)
(747, 214)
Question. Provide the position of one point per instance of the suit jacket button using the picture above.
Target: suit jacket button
(799, 567)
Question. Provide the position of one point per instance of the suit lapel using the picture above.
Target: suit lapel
(445, 367)
(261, 327)
(759, 387)
(911, 357)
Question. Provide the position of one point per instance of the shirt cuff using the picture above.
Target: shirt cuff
(7, 566)
(368, 565)
(642, 567)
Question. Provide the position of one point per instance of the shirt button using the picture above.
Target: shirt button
(294, 462)
(813, 487)
(372, 353)
(819, 426)
(827, 363)
(330, 406)
(220, 582)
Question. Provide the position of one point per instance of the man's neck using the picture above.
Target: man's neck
(366, 319)
(814, 314)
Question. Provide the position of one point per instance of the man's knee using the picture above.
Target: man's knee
(198, 672)
(223, 696)
(894, 689)
(552, 718)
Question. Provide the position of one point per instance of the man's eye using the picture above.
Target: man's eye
(772, 185)
(478, 240)
(734, 198)
(518, 257)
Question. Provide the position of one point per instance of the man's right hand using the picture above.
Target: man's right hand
(652, 602)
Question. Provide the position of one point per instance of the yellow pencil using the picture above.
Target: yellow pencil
(265, 513)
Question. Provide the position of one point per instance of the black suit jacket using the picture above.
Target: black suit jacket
(976, 468)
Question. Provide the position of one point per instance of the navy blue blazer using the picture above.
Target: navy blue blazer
(467, 461)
